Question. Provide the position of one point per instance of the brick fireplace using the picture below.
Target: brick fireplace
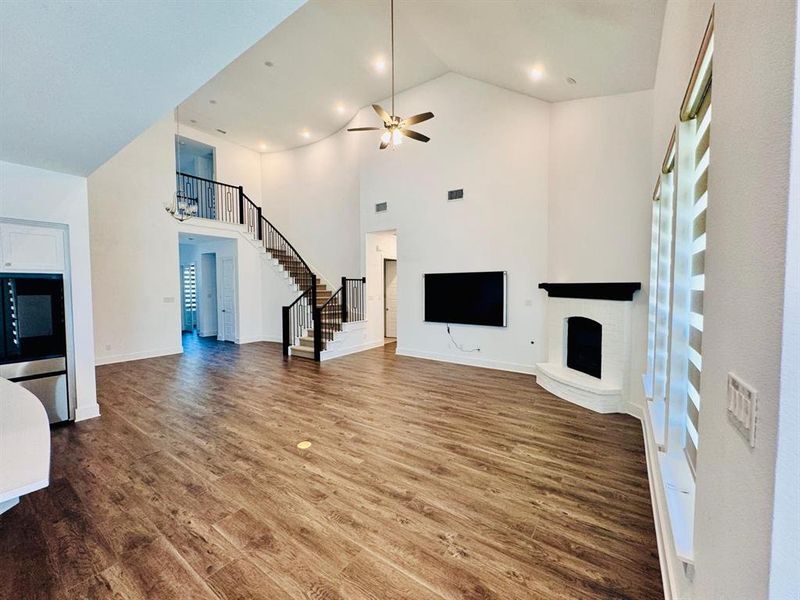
(589, 344)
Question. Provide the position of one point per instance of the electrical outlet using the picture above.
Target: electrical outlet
(742, 408)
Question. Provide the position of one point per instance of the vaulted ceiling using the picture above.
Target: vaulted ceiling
(308, 77)
(80, 79)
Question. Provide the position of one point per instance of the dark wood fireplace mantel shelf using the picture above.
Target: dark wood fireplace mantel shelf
(593, 291)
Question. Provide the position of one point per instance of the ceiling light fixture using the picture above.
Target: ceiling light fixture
(536, 73)
(395, 126)
(262, 146)
(305, 133)
(379, 64)
(340, 108)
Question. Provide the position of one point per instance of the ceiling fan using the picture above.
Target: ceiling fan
(395, 127)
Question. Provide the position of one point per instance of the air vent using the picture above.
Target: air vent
(455, 194)
(381, 207)
(222, 131)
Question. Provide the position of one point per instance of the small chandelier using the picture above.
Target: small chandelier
(180, 205)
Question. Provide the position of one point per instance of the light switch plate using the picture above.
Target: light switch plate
(742, 408)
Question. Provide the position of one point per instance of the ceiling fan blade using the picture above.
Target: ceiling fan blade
(414, 135)
(417, 118)
(382, 114)
(384, 145)
(365, 128)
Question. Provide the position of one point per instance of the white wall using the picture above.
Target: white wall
(135, 246)
(501, 162)
(742, 330)
(39, 195)
(599, 205)
(134, 243)
(746, 241)
(311, 194)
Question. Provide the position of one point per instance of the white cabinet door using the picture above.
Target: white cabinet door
(28, 248)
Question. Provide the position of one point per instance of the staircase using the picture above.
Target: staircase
(311, 322)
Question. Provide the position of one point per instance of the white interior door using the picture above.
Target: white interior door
(390, 298)
(228, 294)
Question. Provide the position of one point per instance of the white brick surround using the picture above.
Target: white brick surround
(610, 392)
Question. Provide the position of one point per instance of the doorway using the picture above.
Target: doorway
(208, 287)
(390, 298)
(189, 297)
(195, 158)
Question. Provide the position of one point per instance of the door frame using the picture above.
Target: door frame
(387, 260)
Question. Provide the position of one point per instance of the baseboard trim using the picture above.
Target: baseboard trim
(82, 413)
(264, 338)
(469, 361)
(634, 410)
(118, 358)
(329, 354)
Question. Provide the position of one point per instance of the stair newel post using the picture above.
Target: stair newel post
(317, 318)
(344, 299)
(258, 220)
(241, 205)
(287, 336)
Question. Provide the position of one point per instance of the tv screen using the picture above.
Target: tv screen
(468, 298)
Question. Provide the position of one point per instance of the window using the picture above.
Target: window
(677, 284)
(661, 273)
(696, 249)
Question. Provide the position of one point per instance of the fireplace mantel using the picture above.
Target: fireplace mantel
(593, 291)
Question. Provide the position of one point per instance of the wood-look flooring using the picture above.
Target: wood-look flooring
(424, 481)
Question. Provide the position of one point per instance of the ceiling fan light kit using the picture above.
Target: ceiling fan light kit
(394, 127)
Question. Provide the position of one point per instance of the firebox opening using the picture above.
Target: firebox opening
(584, 343)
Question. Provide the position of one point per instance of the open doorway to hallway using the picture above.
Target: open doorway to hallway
(390, 299)
(382, 285)
(208, 287)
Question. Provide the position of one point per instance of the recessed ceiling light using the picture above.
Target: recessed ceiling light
(269, 63)
(262, 146)
(571, 81)
(536, 73)
(379, 64)
(305, 133)
(212, 101)
(340, 108)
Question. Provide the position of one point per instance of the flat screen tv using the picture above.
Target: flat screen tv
(468, 298)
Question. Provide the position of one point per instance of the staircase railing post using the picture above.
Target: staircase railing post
(344, 299)
(258, 220)
(362, 298)
(241, 205)
(287, 341)
(317, 334)
(316, 318)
